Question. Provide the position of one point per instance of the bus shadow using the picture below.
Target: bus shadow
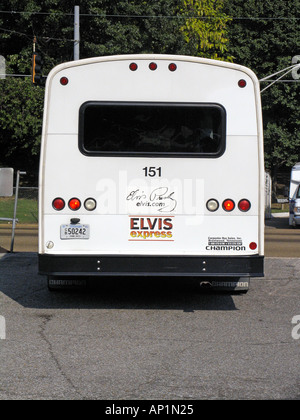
(20, 281)
(158, 293)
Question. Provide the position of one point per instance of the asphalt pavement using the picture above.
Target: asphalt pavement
(162, 339)
(148, 340)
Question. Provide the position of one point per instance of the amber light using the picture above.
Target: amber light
(228, 205)
(74, 204)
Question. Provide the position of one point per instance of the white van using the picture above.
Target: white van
(294, 196)
(152, 165)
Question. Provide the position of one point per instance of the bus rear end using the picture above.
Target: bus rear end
(152, 166)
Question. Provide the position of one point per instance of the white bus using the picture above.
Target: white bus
(152, 165)
(294, 179)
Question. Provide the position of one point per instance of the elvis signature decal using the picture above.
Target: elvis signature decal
(161, 199)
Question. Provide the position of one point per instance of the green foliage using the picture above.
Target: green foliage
(106, 28)
(261, 35)
(21, 107)
(205, 28)
(119, 28)
(265, 36)
(21, 103)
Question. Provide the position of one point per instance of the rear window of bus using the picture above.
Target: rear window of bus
(141, 129)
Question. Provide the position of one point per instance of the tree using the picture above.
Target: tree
(205, 28)
(21, 108)
(106, 28)
(127, 27)
(261, 35)
(265, 36)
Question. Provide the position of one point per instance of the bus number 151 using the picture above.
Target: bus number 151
(152, 171)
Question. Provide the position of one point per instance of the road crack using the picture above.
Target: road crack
(45, 321)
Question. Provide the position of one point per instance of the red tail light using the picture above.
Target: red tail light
(244, 205)
(228, 205)
(74, 204)
(253, 245)
(58, 203)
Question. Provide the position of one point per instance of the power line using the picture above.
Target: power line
(104, 15)
(47, 38)
(15, 32)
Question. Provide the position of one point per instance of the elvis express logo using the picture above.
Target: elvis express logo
(148, 228)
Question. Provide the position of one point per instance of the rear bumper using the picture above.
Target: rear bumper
(137, 265)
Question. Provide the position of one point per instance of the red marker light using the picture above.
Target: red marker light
(242, 83)
(58, 203)
(133, 66)
(228, 205)
(74, 204)
(244, 205)
(152, 66)
(253, 245)
(172, 67)
(64, 81)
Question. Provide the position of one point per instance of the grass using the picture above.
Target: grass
(280, 208)
(27, 209)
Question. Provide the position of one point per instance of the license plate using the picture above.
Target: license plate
(74, 232)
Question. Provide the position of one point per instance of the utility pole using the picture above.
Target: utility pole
(2, 67)
(76, 33)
